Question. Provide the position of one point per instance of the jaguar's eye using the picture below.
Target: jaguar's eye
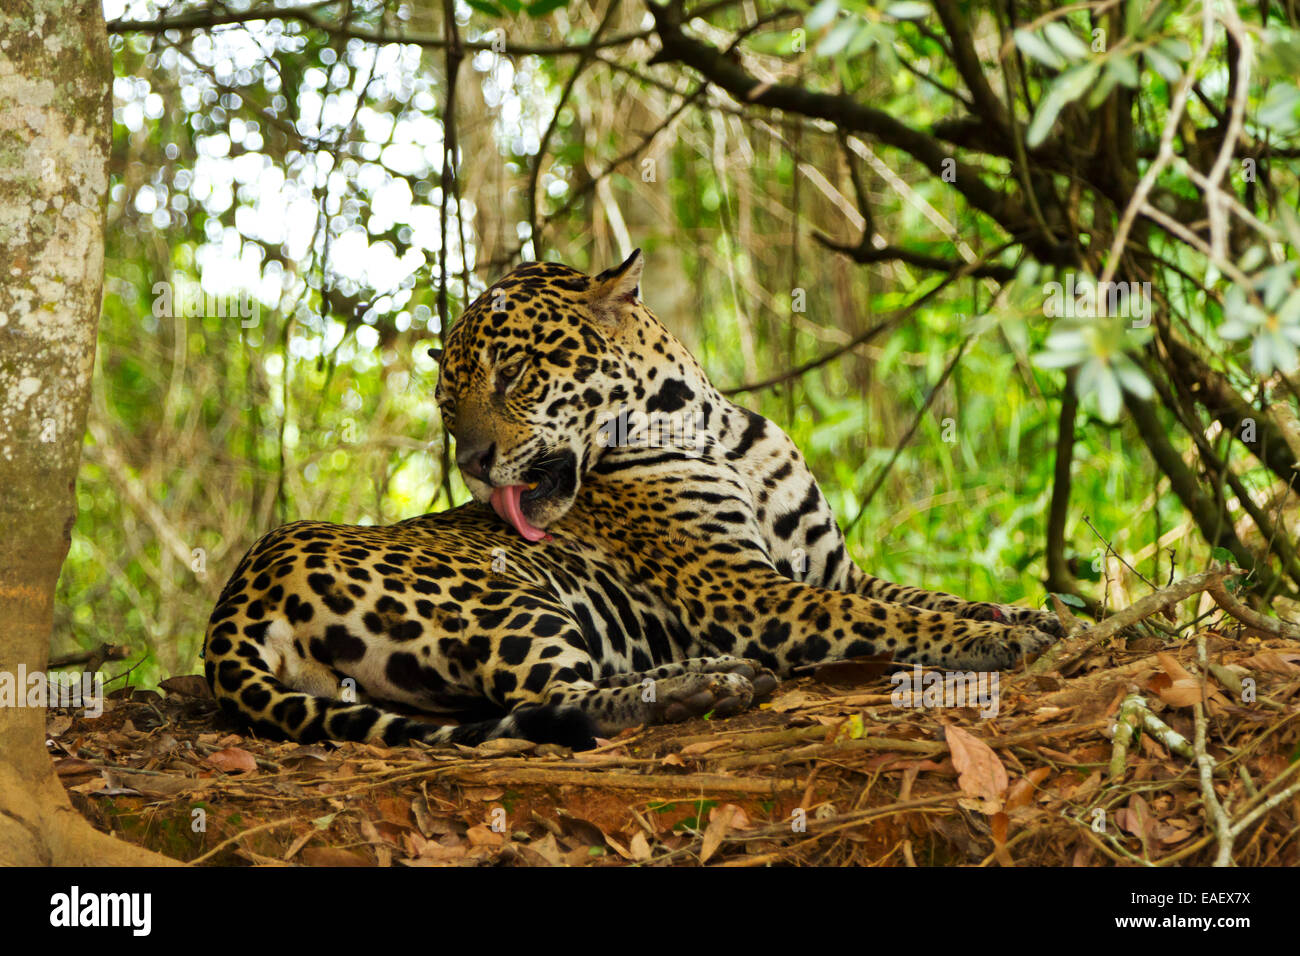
(506, 374)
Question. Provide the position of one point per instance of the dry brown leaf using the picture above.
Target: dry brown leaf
(1171, 667)
(580, 832)
(739, 818)
(1158, 682)
(57, 725)
(1275, 662)
(394, 810)
(1137, 819)
(90, 786)
(423, 818)
(1086, 789)
(442, 854)
(980, 773)
(187, 685)
(1183, 692)
(413, 843)
(484, 836)
(548, 849)
(618, 848)
(232, 760)
(298, 844)
(502, 746)
(156, 785)
(312, 754)
(639, 847)
(482, 793)
(579, 856)
(702, 747)
(998, 825)
(1021, 793)
(714, 833)
(790, 700)
(381, 833)
(333, 856)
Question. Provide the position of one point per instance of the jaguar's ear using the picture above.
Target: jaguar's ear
(615, 289)
(436, 355)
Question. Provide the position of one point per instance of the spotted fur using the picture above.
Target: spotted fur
(682, 572)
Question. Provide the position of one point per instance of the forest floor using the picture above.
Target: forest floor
(840, 767)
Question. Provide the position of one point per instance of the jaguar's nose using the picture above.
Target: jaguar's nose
(477, 462)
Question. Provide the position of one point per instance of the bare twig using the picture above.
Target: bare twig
(1149, 605)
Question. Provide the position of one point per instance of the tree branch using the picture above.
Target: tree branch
(847, 115)
(211, 17)
(864, 253)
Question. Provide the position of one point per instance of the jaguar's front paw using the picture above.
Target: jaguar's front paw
(694, 695)
(762, 679)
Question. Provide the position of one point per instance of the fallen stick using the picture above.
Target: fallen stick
(1250, 618)
(1136, 716)
(97, 656)
(626, 781)
(1149, 605)
(237, 837)
(933, 748)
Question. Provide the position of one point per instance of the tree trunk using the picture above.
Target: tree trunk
(55, 129)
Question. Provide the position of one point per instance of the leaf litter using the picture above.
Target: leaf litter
(830, 771)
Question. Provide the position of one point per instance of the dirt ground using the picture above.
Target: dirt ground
(841, 767)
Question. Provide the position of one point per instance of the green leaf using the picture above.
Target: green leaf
(1044, 117)
(1067, 87)
(1162, 64)
(1252, 258)
(483, 6)
(1124, 70)
(822, 14)
(1073, 600)
(1066, 43)
(514, 6)
(1155, 20)
(1223, 556)
(868, 37)
(542, 7)
(1101, 90)
(908, 10)
(838, 38)
(1279, 109)
(1036, 48)
(1175, 49)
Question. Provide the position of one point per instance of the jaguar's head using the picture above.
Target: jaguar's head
(530, 374)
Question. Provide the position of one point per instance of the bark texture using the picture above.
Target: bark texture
(55, 128)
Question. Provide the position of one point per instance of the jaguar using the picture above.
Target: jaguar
(639, 550)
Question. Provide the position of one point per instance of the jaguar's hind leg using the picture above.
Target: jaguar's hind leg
(538, 656)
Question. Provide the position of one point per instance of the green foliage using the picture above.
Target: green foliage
(206, 432)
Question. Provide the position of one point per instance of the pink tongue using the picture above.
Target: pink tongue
(505, 502)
